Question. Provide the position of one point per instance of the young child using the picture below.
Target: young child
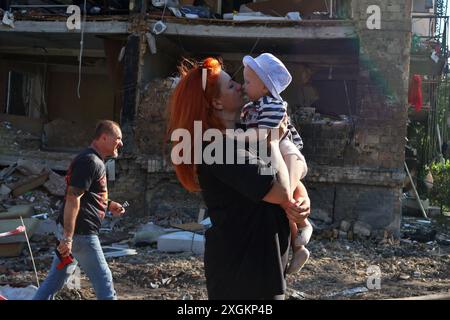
(265, 77)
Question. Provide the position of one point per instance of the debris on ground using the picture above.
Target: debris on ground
(160, 256)
(148, 234)
(28, 189)
(335, 269)
(115, 252)
(16, 140)
(11, 293)
(349, 292)
(183, 241)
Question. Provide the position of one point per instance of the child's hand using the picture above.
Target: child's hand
(304, 204)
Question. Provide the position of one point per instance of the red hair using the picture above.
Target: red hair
(189, 103)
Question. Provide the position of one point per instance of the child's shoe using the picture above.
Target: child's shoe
(299, 258)
(304, 235)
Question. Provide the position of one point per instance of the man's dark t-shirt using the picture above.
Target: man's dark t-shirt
(87, 172)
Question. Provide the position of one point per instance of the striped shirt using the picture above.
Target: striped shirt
(267, 113)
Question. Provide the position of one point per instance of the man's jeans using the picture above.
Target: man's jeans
(88, 252)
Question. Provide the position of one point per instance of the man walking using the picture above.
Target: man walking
(85, 205)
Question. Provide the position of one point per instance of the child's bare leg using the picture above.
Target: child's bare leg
(305, 227)
(294, 232)
(300, 254)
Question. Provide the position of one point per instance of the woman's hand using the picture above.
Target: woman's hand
(297, 211)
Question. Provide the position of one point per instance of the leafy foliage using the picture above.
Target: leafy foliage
(440, 193)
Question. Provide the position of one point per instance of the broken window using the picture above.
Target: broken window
(18, 93)
(336, 89)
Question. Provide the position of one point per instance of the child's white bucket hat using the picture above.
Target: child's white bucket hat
(271, 71)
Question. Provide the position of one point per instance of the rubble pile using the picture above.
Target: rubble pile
(414, 264)
(152, 109)
(25, 175)
(406, 269)
(413, 229)
(16, 140)
(31, 192)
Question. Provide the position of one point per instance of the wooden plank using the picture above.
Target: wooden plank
(27, 184)
(11, 249)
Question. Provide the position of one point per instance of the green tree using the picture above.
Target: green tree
(440, 193)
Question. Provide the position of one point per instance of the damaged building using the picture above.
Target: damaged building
(348, 98)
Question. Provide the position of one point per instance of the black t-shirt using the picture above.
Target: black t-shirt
(87, 172)
(247, 246)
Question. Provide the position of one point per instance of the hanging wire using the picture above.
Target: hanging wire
(164, 10)
(81, 49)
(251, 51)
(435, 120)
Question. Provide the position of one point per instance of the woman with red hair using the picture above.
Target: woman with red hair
(246, 248)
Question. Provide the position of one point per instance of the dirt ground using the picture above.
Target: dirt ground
(407, 268)
(417, 264)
